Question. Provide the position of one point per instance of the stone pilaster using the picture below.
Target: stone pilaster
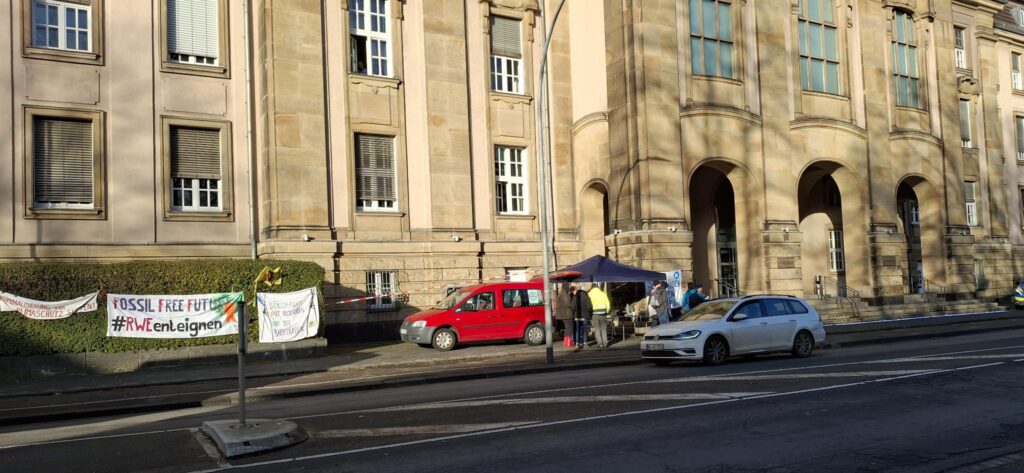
(888, 261)
(293, 197)
(783, 270)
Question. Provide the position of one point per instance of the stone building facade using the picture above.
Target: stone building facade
(865, 146)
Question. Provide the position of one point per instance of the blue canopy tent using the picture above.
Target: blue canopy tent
(600, 269)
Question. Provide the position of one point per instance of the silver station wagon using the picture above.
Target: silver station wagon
(720, 328)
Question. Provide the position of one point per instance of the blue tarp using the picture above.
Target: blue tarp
(600, 269)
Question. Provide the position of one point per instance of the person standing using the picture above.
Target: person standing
(686, 296)
(659, 301)
(582, 312)
(563, 311)
(697, 297)
(601, 306)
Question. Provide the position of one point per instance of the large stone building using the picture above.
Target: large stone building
(794, 146)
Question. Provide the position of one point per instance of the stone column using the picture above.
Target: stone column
(647, 187)
(988, 70)
(292, 146)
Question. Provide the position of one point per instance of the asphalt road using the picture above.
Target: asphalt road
(935, 405)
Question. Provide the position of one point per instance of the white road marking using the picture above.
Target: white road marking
(950, 358)
(851, 374)
(580, 420)
(47, 436)
(570, 399)
(415, 430)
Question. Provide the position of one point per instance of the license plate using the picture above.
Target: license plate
(404, 331)
(655, 346)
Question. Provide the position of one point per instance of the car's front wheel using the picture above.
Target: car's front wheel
(534, 335)
(803, 344)
(716, 350)
(443, 340)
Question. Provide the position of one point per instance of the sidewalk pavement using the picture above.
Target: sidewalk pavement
(379, 365)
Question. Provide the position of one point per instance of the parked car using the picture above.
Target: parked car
(498, 311)
(720, 328)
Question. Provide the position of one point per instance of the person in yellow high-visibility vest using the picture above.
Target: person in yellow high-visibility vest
(1018, 296)
(602, 306)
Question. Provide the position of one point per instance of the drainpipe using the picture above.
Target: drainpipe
(249, 111)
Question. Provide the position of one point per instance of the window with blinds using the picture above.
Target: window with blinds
(195, 162)
(506, 55)
(1019, 126)
(193, 32)
(959, 47)
(62, 24)
(972, 205)
(376, 179)
(965, 123)
(62, 163)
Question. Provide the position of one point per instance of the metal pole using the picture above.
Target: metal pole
(542, 180)
(243, 340)
(248, 135)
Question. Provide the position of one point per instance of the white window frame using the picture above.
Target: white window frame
(1018, 125)
(824, 56)
(53, 205)
(836, 255)
(511, 179)
(61, 27)
(1018, 16)
(1017, 82)
(966, 134)
(906, 72)
(960, 47)
(971, 204)
(506, 74)
(366, 20)
(381, 287)
(181, 185)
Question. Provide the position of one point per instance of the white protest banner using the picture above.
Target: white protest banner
(289, 316)
(675, 288)
(191, 316)
(40, 310)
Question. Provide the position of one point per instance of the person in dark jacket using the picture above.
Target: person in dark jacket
(563, 311)
(581, 314)
(697, 297)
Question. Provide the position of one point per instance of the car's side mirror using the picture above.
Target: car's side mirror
(739, 317)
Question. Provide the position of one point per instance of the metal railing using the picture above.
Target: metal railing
(827, 287)
(915, 284)
(731, 289)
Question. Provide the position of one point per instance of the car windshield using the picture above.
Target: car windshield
(453, 299)
(711, 310)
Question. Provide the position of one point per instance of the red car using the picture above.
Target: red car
(498, 311)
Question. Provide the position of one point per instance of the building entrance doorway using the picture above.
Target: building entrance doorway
(716, 259)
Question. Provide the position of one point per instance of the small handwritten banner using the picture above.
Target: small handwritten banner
(289, 316)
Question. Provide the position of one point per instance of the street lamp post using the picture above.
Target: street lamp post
(542, 180)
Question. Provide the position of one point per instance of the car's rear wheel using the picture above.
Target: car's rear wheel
(803, 344)
(662, 362)
(534, 335)
(716, 350)
(444, 340)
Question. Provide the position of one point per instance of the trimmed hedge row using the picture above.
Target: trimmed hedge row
(79, 333)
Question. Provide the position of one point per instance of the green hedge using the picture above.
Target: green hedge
(79, 333)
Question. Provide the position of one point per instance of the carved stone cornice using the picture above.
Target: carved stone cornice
(521, 5)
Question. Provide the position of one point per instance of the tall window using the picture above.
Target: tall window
(711, 39)
(510, 180)
(906, 77)
(1019, 125)
(959, 47)
(62, 163)
(381, 286)
(819, 50)
(196, 181)
(1017, 81)
(965, 123)
(836, 258)
(193, 32)
(506, 56)
(972, 205)
(1020, 203)
(370, 37)
(376, 180)
(1018, 16)
(62, 25)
